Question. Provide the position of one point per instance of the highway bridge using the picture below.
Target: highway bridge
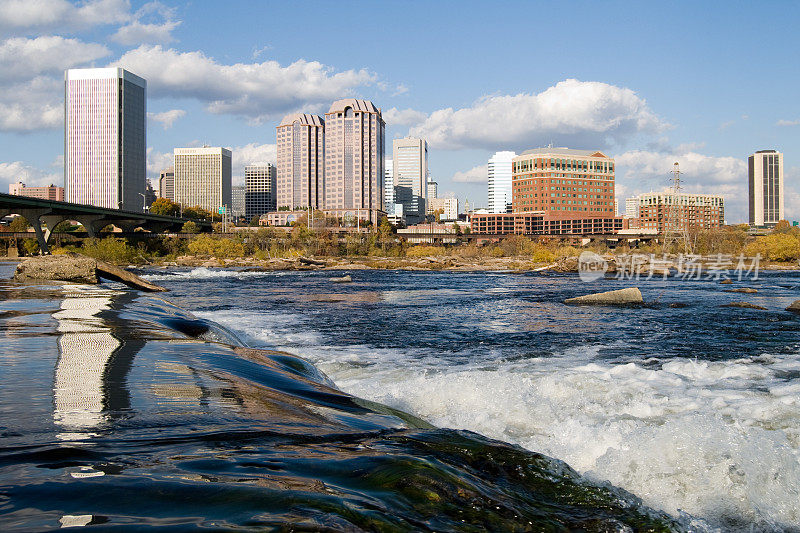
(50, 212)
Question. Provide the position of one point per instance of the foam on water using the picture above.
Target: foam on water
(206, 273)
(717, 440)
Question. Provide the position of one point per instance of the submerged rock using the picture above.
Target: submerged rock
(631, 295)
(78, 268)
(745, 305)
(343, 279)
(746, 290)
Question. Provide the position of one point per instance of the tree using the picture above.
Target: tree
(254, 220)
(18, 225)
(196, 212)
(190, 227)
(164, 206)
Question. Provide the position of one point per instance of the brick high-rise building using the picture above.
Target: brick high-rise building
(301, 162)
(105, 112)
(354, 160)
(45, 193)
(563, 182)
(697, 211)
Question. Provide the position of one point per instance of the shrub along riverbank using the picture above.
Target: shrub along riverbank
(782, 245)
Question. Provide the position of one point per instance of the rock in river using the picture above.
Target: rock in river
(631, 295)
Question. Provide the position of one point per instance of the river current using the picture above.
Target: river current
(680, 414)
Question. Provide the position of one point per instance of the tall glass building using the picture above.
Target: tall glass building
(765, 180)
(500, 182)
(410, 159)
(260, 183)
(105, 112)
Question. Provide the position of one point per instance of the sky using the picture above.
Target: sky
(704, 84)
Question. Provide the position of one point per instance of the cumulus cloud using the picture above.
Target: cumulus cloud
(258, 91)
(252, 154)
(157, 161)
(23, 59)
(36, 16)
(167, 118)
(788, 123)
(137, 33)
(640, 171)
(26, 117)
(571, 113)
(405, 117)
(479, 174)
(14, 171)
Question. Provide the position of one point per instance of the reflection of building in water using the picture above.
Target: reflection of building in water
(86, 346)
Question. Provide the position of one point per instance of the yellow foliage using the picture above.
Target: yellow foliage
(221, 248)
(775, 247)
(422, 250)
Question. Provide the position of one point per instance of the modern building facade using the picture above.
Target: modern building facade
(354, 160)
(694, 211)
(105, 112)
(433, 189)
(410, 163)
(301, 162)
(765, 180)
(260, 184)
(564, 182)
(500, 182)
(238, 203)
(203, 178)
(388, 186)
(632, 207)
(539, 223)
(448, 208)
(166, 184)
(45, 193)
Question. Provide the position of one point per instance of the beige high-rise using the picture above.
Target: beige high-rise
(301, 162)
(354, 159)
(203, 178)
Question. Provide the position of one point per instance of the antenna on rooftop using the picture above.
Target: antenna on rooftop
(676, 225)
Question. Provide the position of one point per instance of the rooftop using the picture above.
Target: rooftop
(358, 105)
(304, 118)
(564, 151)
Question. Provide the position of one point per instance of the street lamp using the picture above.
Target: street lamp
(144, 202)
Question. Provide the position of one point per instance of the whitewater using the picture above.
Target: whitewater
(695, 409)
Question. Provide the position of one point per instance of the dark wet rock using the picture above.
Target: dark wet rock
(744, 305)
(631, 295)
(745, 290)
(76, 268)
(794, 307)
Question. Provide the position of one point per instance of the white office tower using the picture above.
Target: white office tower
(203, 178)
(433, 189)
(500, 182)
(410, 160)
(765, 180)
(388, 186)
(632, 207)
(105, 112)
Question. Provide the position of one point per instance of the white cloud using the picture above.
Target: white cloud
(258, 91)
(788, 123)
(23, 59)
(251, 154)
(571, 113)
(36, 16)
(27, 117)
(479, 174)
(167, 118)
(139, 33)
(15, 171)
(405, 117)
(157, 161)
(640, 171)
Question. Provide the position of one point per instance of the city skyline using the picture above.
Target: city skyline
(659, 85)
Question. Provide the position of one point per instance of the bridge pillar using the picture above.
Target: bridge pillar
(90, 223)
(33, 216)
(51, 221)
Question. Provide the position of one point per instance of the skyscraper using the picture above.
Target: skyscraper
(203, 178)
(260, 186)
(166, 184)
(410, 160)
(765, 179)
(301, 162)
(388, 186)
(354, 159)
(105, 111)
(500, 182)
(433, 189)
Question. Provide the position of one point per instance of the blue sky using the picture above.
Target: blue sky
(704, 84)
